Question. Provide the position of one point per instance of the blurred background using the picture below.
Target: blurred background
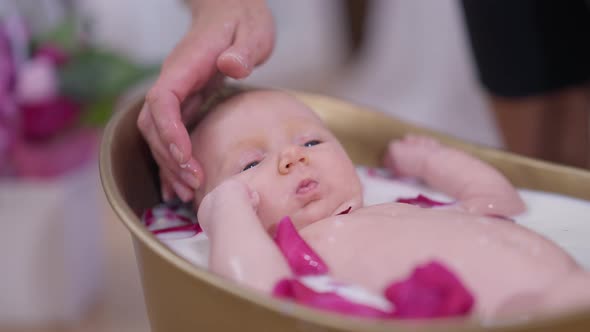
(66, 262)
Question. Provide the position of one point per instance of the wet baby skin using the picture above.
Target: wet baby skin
(266, 155)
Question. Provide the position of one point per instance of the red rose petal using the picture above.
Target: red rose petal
(421, 201)
(148, 217)
(195, 228)
(345, 211)
(431, 291)
(171, 219)
(300, 293)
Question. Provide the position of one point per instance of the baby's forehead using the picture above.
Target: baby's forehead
(266, 102)
(257, 111)
(258, 107)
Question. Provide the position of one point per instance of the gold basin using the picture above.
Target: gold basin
(182, 297)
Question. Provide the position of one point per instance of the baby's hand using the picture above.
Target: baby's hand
(226, 202)
(406, 157)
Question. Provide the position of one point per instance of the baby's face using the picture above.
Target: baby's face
(283, 151)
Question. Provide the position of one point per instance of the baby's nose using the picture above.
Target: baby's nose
(290, 157)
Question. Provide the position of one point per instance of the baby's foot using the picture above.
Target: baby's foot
(407, 156)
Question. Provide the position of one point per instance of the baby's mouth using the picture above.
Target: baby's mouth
(306, 186)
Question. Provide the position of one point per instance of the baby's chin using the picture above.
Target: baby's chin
(312, 214)
(299, 220)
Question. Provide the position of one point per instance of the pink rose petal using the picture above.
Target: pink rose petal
(431, 291)
(295, 290)
(421, 201)
(193, 229)
(148, 217)
(301, 258)
(172, 220)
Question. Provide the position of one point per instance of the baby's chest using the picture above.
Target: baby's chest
(395, 240)
(370, 238)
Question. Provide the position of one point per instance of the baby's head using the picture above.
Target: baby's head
(280, 149)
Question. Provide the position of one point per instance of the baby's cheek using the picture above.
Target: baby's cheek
(266, 213)
(272, 208)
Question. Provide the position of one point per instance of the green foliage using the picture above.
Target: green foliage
(95, 74)
(98, 113)
(97, 78)
(92, 76)
(65, 36)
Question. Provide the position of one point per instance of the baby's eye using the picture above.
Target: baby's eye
(250, 165)
(311, 143)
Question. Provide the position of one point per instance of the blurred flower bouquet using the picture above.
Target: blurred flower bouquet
(56, 90)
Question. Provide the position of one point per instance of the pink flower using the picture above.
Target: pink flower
(36, 82)
(53, 53)
(431, 291)
(8, 110)
(6, 65)
(43, 120)
(6, 141)
(54, 158)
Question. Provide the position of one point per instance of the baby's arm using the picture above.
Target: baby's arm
(478, 187)
(241, 250)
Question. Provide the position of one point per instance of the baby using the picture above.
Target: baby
(266, 156)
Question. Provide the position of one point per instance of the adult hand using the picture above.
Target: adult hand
(226, 37)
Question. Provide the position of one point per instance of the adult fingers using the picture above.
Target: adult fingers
(188, 68)
(252, 44)
(190, 175)
(191, 106)
(166, 187)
